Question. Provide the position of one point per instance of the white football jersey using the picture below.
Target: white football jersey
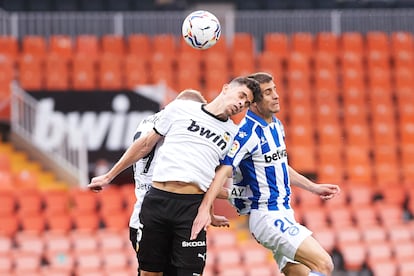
(143, 169)
(195, 143)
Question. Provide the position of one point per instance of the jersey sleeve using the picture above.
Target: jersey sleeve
(243, 146)
(166, 119)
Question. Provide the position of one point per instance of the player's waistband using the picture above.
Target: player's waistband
(157, 192)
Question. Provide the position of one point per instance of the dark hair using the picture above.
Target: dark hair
(251, 84)
(261, 77)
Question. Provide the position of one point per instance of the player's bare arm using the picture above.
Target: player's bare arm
(203, 218)
(325, 191)
(139, 149)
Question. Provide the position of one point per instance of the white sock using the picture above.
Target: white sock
(312, 273)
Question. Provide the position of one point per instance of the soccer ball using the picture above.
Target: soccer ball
(201, 29)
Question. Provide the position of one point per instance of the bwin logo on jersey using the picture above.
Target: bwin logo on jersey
(220, 141)
(275, 156)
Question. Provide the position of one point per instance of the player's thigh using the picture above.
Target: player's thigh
(295, 269)
(312, 254)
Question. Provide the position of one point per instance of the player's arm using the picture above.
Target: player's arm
(138, 149)
(203, 217)
(325, 191)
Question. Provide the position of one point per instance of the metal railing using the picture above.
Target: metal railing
(69, 160)
(20, 24)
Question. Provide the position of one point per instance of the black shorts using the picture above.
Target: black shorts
(167, 219)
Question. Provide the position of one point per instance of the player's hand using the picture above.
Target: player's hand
(98, 183)
(327, 191)
(202, 221)
(219, 221)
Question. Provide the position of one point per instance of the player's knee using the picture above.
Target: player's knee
(325, 266)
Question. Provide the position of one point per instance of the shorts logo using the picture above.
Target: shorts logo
(293, 230)
(193, 243)
(202, 256)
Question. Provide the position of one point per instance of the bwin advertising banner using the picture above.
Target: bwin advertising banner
(107, 121)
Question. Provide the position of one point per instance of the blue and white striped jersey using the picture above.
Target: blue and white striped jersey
(259, 159)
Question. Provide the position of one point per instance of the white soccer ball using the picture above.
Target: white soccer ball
(201, 29)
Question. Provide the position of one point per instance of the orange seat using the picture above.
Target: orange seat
(84, 242)
(377, 41)
(35, 223)
(135, 71)
(227, 257)
(327, 42)
(9, 47)
(364, 215)
(83, 72)
(384, 133)
(361, 195)
(84, 201)
(6, 264)
(110, 75)
(406, 268)
(164, 45)
(9, 226)
(113, 45)
(352, 42)
(56, 72)
(29, 201)
(380, 76)
(330, 134)
(272, 63)
(326, 237)
(115, 260)
(353, 254)
(341, 219)
(242, 64)
(277, 43)
(34, 45)
(303, 42)
(139, 45)
(26, 263)
(56, 243)
(243, 43)
(358, 135)
(59, 222)
(30, 72)
(378, 252)
(61, 45)
(401, 41)
(87, 46)
(389, 215)
(384, 268)
(315, 216)
(56, 201)
(403, 251)
(9, 202)
(373, 234)
(358, 165)
(399, 234)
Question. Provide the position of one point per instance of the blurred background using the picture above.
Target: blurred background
(76, 77)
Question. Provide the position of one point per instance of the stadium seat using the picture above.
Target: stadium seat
(34, 45)
(110, 74)
(30, 242)
(85, 221)
(164, 45)
(9, 47)
(384, 133)
(358, 165)
(221, 238)
(384, 268)
(406, 268)
(83, 73)
(403, 251)
(389, 215)
(330, 134)
(33, 222)
(26, 263)
(61, 45)
(378, 252)
(303, 157)
(9, 226)
(6, 264)
(303, 42)
(56, 72)
(341, 218)
(136, 71)
(399, 233)
(114, 260)
(353, 255)
(59, 222)
(227, 258)
(56, 243)
(355, 114)
(242, 64)
(272, 63)
(326, 237)
(373, 234)
(139, 45)
(401, 41)
(277, 43)
(87, 46)
(314, 216)
(327, 42)
(364, 215)
(358, 135)
(29, 201)
(352, 42)
(377, 41)
(113, 45)
(243, 43)
(8, 199)
(30, 71)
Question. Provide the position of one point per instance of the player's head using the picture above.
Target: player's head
(268, 101)
(237, 95)
(192, 95)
